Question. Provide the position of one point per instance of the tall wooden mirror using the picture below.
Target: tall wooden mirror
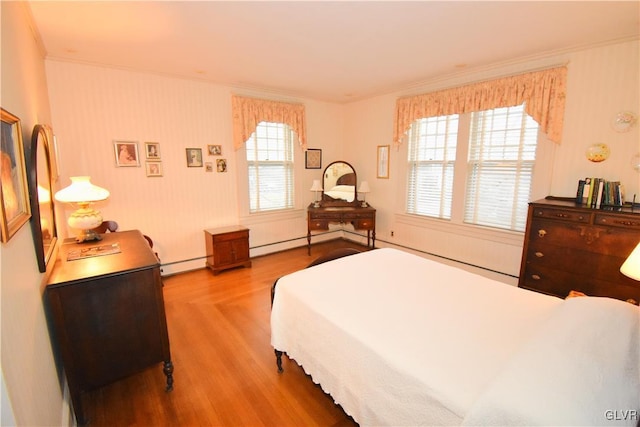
(339, 184)
(43, 222)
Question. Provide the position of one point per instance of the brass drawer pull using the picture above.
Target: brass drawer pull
(539, 254)
(535, 277)
(542, 233)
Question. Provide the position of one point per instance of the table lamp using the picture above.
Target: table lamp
(631, 267)
(315, 188)
(364, 189)
(83, 193)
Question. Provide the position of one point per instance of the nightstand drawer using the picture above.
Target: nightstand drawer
(230, 236)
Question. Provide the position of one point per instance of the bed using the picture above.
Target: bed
(399, 340)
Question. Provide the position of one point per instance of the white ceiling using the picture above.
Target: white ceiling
(331, 51)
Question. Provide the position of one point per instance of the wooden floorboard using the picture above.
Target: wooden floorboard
(225, 372)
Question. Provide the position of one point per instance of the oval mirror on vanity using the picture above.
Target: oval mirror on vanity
(43, 221)
(339, 183)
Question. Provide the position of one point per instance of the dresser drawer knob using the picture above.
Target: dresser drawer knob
(539, 254)
(542, 233)
(535, 277)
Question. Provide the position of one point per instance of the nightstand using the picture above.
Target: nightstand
(227, 247)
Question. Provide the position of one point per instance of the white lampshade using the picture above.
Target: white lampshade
(631, 266)
(316, 185)
(364, 187)
(83, 192)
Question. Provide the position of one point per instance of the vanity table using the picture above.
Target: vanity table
(339, 204)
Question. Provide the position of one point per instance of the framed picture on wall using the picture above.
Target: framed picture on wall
(194, 157)
(16, 208)
(383, 161)
(215, 150)
(126, 153)
(152, 150)
(153, 168)
(313, 158)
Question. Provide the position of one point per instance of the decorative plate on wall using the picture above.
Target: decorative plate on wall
(598, 153)
(624, 121)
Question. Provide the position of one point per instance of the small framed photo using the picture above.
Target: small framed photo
(208, 166)
(152, 150)
(221, 165)
(16, 207)
(215, 150)
(313, 158)
(126, 153)
(383, 162)
(153, 168)
(194, 157)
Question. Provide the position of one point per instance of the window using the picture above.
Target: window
(432, 155)
(502, 153)
(270, 166)
(496, 152)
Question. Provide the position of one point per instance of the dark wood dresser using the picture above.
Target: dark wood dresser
(571, 247)
(361, 219)
(107, 313)
(227, 247)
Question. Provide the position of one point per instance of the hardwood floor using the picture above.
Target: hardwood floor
(225, 371)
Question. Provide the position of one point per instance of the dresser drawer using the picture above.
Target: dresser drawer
(570, 260)
(591, 238)
(560, 283)
(318, 224)
(561, 214)
(324, 215)
(357, 215)
(363, 224)
(622, 221)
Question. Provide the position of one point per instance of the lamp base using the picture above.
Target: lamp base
(364, 204)
(87, 236)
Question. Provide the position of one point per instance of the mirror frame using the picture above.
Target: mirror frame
(41, 148)
(328, 200)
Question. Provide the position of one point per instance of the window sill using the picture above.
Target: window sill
(513, 238)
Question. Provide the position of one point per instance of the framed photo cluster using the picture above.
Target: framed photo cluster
(220, 164)
(153, 163)
(127, 155)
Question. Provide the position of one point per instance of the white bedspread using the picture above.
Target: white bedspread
(581, 368)
(399, 340)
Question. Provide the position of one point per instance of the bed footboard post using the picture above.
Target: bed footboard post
(279, 360)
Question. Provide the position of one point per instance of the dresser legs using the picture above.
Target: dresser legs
(168, 371)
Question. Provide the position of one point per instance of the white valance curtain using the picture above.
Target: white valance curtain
(543, 93)
(249, 112)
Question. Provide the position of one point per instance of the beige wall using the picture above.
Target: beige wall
(28, 366)
(94, 106)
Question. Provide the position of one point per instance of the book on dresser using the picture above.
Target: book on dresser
(569, 246)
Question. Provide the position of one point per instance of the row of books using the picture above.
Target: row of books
(598, 192)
